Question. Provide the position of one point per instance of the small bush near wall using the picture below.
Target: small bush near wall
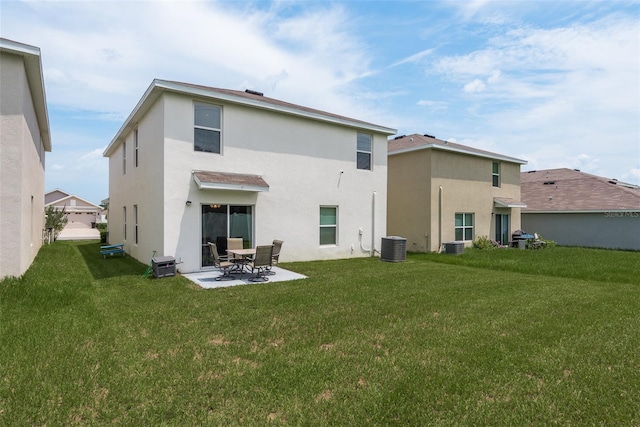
(483, 242)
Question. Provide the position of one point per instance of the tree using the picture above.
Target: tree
(56, 219)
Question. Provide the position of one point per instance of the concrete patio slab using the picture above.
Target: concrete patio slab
(207, 279)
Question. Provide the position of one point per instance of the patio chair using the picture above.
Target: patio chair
(223, 266)
(260, 263)
(277, 246)
(234, 243)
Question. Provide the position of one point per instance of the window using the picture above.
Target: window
(207, 124)
(135, 147)
(124, 223)
(124, 158)
(328, 225)
(135, 223)
(364, 151)
(495, 174)
(464, 226)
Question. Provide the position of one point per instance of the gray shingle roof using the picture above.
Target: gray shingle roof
(566, 190)
(416, 141)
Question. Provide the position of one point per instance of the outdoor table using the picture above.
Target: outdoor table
(245, 255)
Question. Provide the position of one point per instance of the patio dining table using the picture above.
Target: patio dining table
(244, 256)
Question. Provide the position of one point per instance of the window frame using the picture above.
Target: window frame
(197, 127)
(368, 153)
(135, 224)
(464, 227)
(124, 223)
(495, 174)
(333, 226)
(135, 147)
(124, 158)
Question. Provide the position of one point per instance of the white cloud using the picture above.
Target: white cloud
(475, 86)
(413, 58)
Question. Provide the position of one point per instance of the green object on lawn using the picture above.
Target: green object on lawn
(150, 268)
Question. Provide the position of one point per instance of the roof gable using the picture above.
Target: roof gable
(247, 98)
(408, 143)
(568, 190)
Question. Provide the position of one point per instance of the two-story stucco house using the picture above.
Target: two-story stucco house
(441, 192)
(195, 164)
(24, 139)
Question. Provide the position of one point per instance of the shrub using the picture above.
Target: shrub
(483, 242)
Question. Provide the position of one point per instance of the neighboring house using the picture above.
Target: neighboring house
(574, 208)
(441, 192)
(82, 215)
(195, 164)
(24, 139)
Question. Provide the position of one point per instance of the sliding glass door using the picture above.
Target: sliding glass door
(222, 221)
(502, 229)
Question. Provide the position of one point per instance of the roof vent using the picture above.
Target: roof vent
(613, 181)
(429, 136)
(577, 170)
(254, 92)
(531, 172)
(549, 182)
(400, 137)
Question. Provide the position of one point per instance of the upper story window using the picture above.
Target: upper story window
(364, 150)
(464, 226)
(208, 128)
(124, 158)
(495, 174)
(135, 147)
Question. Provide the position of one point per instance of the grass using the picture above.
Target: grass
(485, 338)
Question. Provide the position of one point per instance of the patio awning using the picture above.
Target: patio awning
(208, 180)
(504, 202)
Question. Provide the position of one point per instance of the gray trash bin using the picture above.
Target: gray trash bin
(163, 266)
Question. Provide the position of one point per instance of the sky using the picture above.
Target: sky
(555, 83)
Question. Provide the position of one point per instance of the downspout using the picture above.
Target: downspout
(440, 191)
(373, 224)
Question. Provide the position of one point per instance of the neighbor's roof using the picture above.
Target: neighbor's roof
(63, 201)
(33, 68)
(408, 143)
(568, 190)
(248, 98)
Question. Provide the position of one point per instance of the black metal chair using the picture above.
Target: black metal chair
(260, 263)
(223, 266)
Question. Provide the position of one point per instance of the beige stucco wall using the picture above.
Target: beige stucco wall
(428, 187)
(21, 170)
(306, 163)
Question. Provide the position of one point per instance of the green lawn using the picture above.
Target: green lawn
(503, 337)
